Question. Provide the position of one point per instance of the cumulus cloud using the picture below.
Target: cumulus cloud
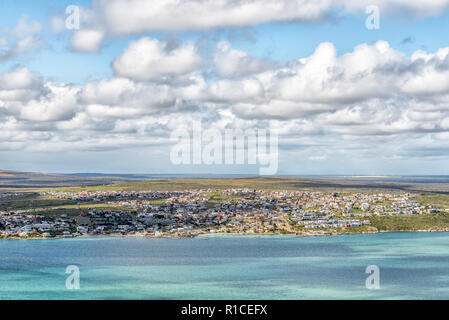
(231, 63)
(19, 78)
(87, 40)
(121, 17)
(326, 82)
(123, 98)
(20, 85)
(135, 16)
(58, 104)
(248, 90)
(429, 73)
(324, 77)
(151, 59)
(373, 96)
(281, 109)
(372, 90)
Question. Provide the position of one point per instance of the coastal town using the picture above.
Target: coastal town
(190, 213)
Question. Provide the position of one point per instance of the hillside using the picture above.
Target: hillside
(32, 180)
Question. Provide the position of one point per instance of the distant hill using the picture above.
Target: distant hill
(33, 180)
(16, 179)
(155, 176)
(26, 181)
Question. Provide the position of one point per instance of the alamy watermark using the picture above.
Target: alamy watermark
(72, 21)
(73, 280)
(372, 22)
(228, 147)
(373, 280)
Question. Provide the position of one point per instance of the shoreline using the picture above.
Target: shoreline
(223, 234)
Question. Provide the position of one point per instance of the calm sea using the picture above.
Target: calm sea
(412, 266)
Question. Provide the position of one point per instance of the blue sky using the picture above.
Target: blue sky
(86, 99)
(281, 42)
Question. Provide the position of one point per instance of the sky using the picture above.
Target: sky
(343, 95)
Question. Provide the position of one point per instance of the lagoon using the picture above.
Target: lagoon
(412, 266)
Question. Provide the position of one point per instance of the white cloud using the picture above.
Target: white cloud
(232, 63)
(60, 104)
(151, 59)
(24, 28)
(280, 109)
(28, 39)
(87, 40)
(124, 94)
(25, 38)
(19, 78)
(108, 91)
(22, 46)
(372, 90)
(363, 102)
(432, 74)
(27, 44)
(414, 8)
(326, 82)
(135, 16)
(248, 90)
(325, 78)
(19, 84)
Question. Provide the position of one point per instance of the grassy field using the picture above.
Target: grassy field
(171, 185)
(99, 206)
(35, 201)
(437, 200)
(31, 181)
(216, 198)
(75, 211)
(11, 181)
(58, 212)
(272, 183)
(410, 222)
(32, 200)
(158, 202)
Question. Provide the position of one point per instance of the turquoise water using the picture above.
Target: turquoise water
(412, 266)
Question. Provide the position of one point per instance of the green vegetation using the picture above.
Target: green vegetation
(170, 185)
(98, 206)
(410, 222)
(35, 203)
(216, 198)
(362, 229)
(58, 212)
(32, 182)
(158, 202)
(272, 183)
(31, 201)
(437, 200)
(74, 211)
(384, 203)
